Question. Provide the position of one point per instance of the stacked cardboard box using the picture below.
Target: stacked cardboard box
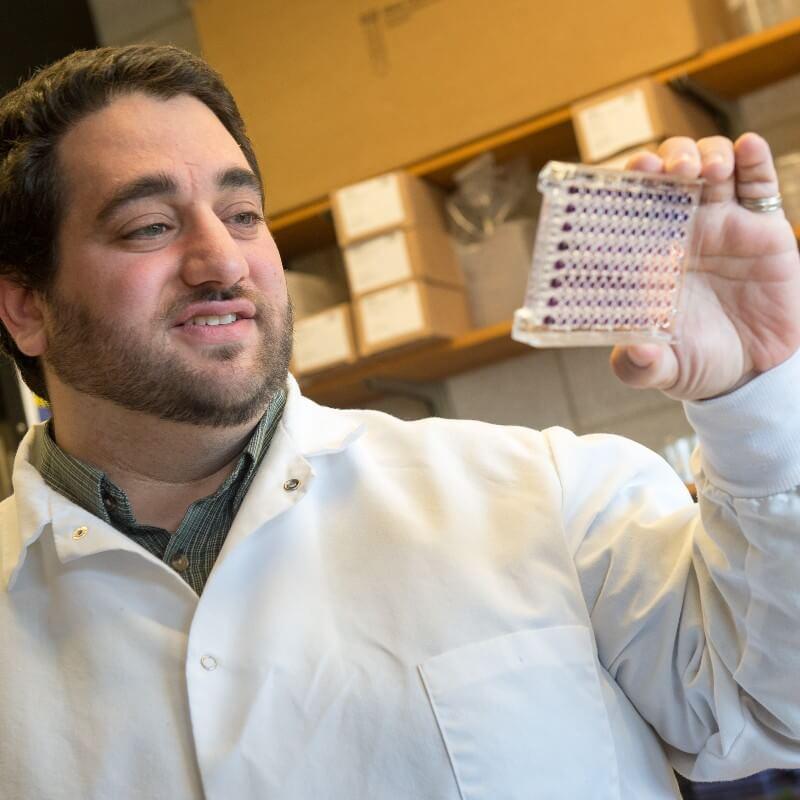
(323, 326)
(323, 341)
(405, 280)
(635, 116)
(750, 16)
(774, 113)
(311, 294)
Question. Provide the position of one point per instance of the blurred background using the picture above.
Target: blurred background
(400, 143)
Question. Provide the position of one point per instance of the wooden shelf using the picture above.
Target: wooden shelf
(729, 70)
(350, 386)
(743, 65)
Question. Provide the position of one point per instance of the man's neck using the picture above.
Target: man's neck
(162, 466)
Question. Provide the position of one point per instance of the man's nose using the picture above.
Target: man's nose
(212, 255)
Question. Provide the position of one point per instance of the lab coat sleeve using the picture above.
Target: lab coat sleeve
(696, 609)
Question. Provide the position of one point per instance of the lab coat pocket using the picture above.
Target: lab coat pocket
(522, 716)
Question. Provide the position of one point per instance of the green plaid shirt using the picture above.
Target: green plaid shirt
(192, 550)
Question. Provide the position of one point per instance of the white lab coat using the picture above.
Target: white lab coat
(440, 610)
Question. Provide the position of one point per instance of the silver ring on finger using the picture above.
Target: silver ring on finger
(762, 205)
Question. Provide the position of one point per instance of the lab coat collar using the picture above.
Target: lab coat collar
(315, 429)
(307, 431)
(34, 506)
(22, 517)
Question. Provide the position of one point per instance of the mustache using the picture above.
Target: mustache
(209, 295)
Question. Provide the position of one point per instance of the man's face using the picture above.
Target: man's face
(169, 295)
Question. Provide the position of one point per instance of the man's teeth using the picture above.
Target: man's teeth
(225, 319)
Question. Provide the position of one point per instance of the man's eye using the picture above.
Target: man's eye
(148, 231)
(246, 218)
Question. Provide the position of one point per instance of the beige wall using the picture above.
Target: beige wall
(574, 388)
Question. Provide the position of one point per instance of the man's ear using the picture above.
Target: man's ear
(21, 311)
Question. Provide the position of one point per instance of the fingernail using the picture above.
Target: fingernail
(642, 356)
(680, 161)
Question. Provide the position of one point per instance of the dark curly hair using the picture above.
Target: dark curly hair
(35, 116)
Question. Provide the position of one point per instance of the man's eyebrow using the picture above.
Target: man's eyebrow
(238, 178)
(145, 186)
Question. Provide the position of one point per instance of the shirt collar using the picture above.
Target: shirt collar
(77, 480)
(315, 431)
(257, 446)
(85, 484)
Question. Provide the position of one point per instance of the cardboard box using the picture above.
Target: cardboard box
(750, 16)
(773, 112)
(311, 294)
(414, 311)
(323, 341)
(378, 205)
(771, 104)
(783, 137)
(425, 252)
(326, 262)
(638, 113)
(335, 92)
(788, 168)
(620, 160)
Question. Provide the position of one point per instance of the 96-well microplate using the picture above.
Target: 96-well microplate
(611, 251)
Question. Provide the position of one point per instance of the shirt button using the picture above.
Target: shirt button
(79, 533)
(208, 663)
(291, 484)
(180, 562)
(109, 501)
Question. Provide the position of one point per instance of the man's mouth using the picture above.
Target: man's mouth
(215, 313)
(224, 319)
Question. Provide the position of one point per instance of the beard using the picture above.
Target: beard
(104, 360)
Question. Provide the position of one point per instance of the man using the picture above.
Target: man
(212, 587)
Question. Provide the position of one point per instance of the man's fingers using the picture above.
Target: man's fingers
(755, 172)
(681, 156)
(645, 366)
(717, 167)
(717, 160)
(645, 161)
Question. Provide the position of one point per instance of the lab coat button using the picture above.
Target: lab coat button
(79, 533)
(208, 663)
(179, 562)
(291, 484)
